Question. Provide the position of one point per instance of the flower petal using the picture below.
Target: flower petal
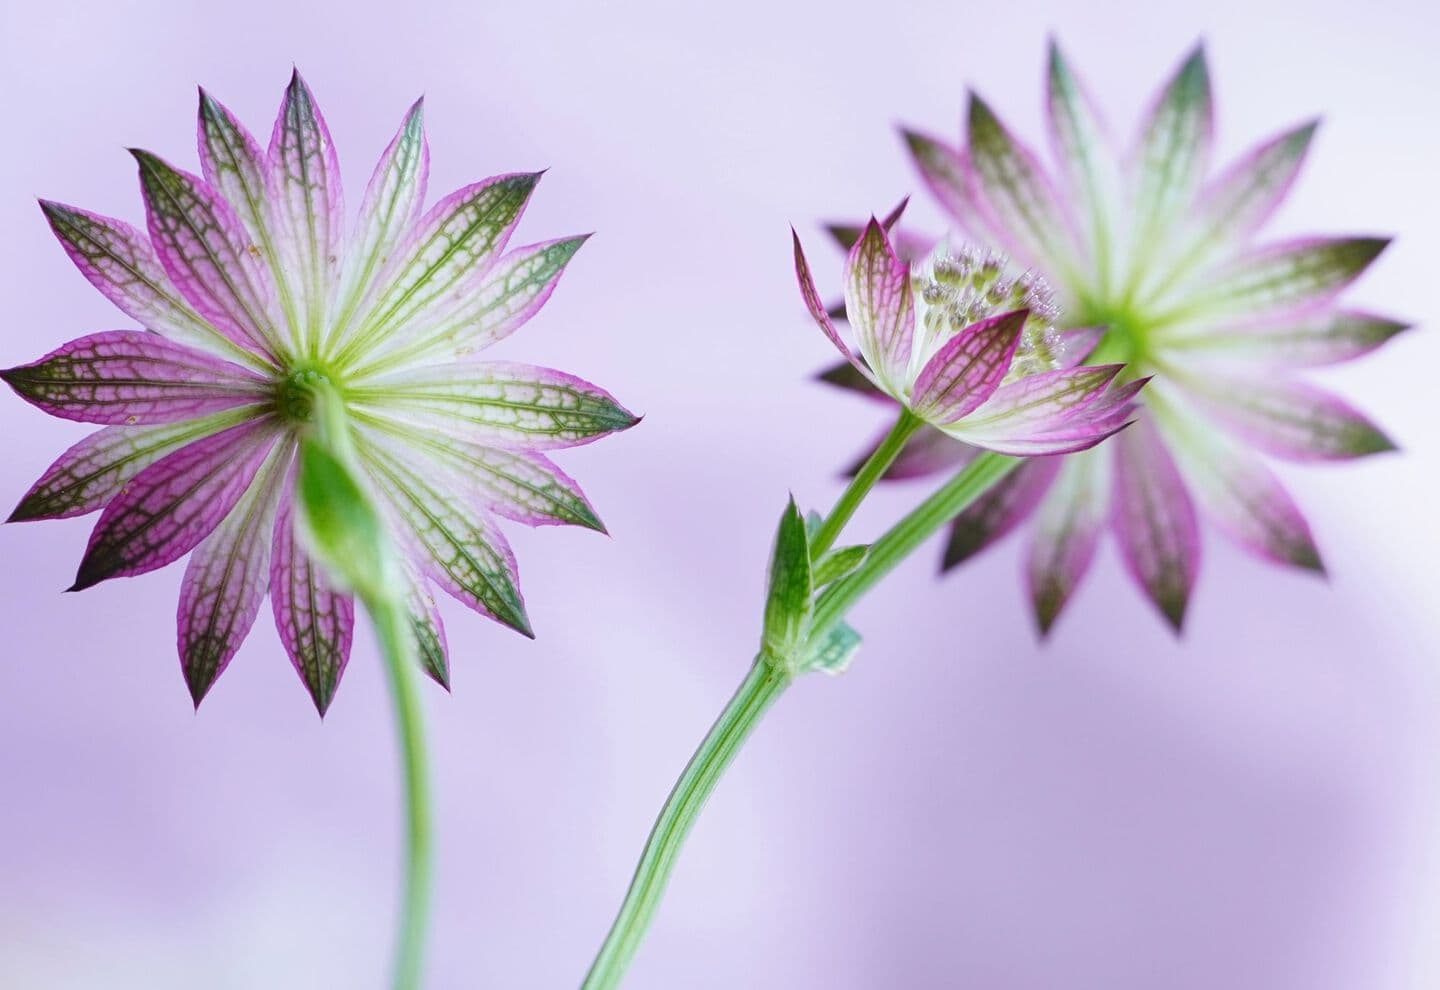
(520, 485)
(443, 255)
(207, 254)
(94, 470)
(1067, 530)
(1174, 147)
(817, 308)
(1237, 202)
(233, 164)
(947, 173)
(392, 203)
(504, 404)
(316, 623)
(880, 306)
(119, 261)
(1155, 521)
(131, 376)
(428, 627)
(1086, 158)
(226, 580)
(459, 547)
(308, 206)
(1235, 489)
(1304, 340)
(995, 513)
(845, 375)
(1027, 211)
(169, 507)
(1036, 404)
(1288, 418)
(1295, 274)
(967, 369)
(510, 293)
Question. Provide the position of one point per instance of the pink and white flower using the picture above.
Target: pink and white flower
(1162, 251)
(252, 294)
(970, 349)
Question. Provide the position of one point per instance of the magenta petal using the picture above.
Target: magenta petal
(994, 514)
(1242, 496)
(225, 583)
(316, 623)
(947, 173)
(1288, 418)
(234, 166)
(92, 471)
(444, 254)
(455, 542)
(1155, 520)
(207, 253)
(1238, 202)
(1305, 339)
(393, 201)
(968, 368)
(817, 308)
(308, 205)
(1174, 147)
(502, 404)
(119, 261)
(429, 629)
(129, 377)
(168, 508)
(879, 305)
(1067, 530)
(1078, 137)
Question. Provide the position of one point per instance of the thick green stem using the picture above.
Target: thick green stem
(397, 644)
(904, 537)
(765, 682)
(865, 479)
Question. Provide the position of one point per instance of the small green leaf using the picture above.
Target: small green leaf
(837, 563)
(340, 524)
(832, 655)
(787, 609)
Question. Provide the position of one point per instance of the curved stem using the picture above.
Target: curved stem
(905, 536)
(870, 472)
(397, 644)
(765, 682)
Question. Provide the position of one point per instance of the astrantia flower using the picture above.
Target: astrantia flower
(969, 349)
(1164, 254)
(254, 298)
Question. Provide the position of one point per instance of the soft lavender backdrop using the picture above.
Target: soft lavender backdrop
(1256, 807)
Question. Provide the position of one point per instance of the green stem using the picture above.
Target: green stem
(865, 479)
(765, 682)
(770, 676)
(904, 537)
(397, 644)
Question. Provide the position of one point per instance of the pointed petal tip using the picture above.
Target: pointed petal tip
(1174, 612)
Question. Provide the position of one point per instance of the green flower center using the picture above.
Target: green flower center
(295, 394)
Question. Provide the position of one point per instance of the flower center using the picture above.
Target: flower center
(955, 288)
(295, 395)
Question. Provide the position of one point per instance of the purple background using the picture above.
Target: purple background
(1255, 807)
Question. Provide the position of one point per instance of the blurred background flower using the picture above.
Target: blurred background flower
(1253, 808)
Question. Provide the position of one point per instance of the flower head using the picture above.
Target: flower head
(969, 348)
(1162, 252)
(256, 304)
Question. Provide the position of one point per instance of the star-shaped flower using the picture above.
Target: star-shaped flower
(254, 300)
(969, 349)
(1163, 252)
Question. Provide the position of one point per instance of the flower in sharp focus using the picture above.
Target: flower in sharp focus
(1162, 251)
(970, 349)
(253, 298)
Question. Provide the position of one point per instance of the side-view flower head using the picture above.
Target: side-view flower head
(1162, 252)
(971, 349)
(256, 304)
